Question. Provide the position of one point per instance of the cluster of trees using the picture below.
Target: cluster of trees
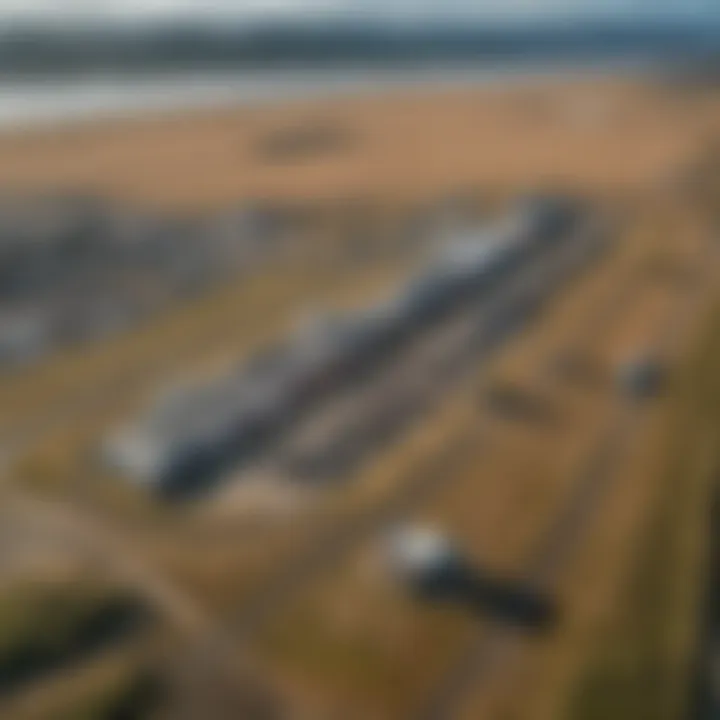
(45, 626)
(40, 48)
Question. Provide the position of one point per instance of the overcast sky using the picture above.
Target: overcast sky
(410, 9)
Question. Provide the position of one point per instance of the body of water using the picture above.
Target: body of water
(33, 102)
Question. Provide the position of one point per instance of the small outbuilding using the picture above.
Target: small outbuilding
(641, 377)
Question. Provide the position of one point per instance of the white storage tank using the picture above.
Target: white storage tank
(424, 559)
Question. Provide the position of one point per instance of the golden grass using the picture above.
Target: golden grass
(497, 497)
(642, 668)
(629, 606)
(600, 135)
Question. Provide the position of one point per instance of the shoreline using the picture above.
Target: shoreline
(38, 104)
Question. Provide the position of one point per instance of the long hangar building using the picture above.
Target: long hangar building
(188, 437)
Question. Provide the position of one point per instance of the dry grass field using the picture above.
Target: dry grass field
(601, 136)
(380, 653)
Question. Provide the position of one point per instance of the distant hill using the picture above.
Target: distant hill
(40, 49)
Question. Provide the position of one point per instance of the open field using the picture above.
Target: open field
(523, 471)
(568, 495)
(601, 136)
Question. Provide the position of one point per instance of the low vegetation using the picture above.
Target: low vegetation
(132, 696)
(43, 626)
(643, 668)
